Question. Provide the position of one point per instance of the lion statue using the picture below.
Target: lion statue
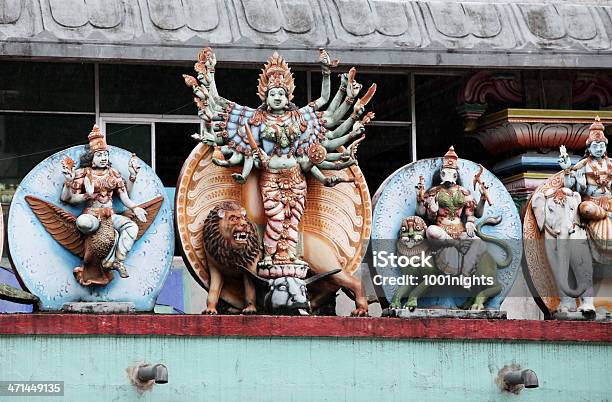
(412, 242)
(231, 244)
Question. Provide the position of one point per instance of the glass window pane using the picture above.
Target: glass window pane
(27, 139)
(173, 144)
(439, 125)
(240, 85)
(384, 150)
(47, 86)
(145, 89)
(391, 101)
(135, 138)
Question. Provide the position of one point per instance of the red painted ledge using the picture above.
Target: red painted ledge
(278, 326)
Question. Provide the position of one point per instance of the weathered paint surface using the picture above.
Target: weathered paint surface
(45, 267)
(306, 369)
(396, 200)
(518, 33)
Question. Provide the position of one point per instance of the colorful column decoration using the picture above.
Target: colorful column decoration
(527, 143)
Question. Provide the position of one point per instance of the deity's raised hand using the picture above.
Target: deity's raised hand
(133, 167)
(564, 159)
(326, 61)
(68, 169)
(432, 205)
(353, 87)
(358, 127)
(358, 110)
(344, 79)
(207, 56)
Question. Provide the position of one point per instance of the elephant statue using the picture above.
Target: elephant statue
(567, 247)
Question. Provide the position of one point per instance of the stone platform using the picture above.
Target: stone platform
(99, 307)
(446, 313)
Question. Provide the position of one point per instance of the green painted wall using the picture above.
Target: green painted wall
(305, 369)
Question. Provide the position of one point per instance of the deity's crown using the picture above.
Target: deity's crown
(97, 140)
(275, 74)
(450, 159)
(596, 132)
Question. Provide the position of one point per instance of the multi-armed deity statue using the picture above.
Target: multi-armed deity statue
(448, 227)
(573, 212)
(90, 227)
(285, 143)
(101, 235)
(446, 204)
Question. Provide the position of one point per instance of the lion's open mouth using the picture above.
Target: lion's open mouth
(241, 236)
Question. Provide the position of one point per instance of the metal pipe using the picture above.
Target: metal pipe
(525, 377)
(158, 372)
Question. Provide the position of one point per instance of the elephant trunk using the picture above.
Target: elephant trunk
(562, 265)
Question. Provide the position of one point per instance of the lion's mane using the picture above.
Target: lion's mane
(220, 249)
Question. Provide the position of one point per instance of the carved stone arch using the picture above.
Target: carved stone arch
(69, 13)
(573, 18)
(297, 16)
(356, 16)
(592, 86)
(262, 15)
(10, 11)
(391, 17)
(543, 20)
(197, 19)
(104, 14)
(472, 99)
(167, 14)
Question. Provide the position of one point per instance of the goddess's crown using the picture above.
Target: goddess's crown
(275, 74)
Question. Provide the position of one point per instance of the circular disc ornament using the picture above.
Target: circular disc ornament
(396, 200)
(317, 153)
(336, 222)
(45, 267)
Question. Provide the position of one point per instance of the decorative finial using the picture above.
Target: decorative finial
(97, 140)
(450, 159)
(596, 132)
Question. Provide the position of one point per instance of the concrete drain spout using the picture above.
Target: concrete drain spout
(158, 372)
(526, 377)
(513, 378)
(144, 376)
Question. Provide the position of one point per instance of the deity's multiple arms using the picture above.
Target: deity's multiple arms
(326, 65)
(339, 97)
(225, 122)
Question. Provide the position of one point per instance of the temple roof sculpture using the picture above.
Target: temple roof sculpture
(561, 33)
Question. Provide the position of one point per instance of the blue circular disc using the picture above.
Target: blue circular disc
(46, 268)
(396, 200)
